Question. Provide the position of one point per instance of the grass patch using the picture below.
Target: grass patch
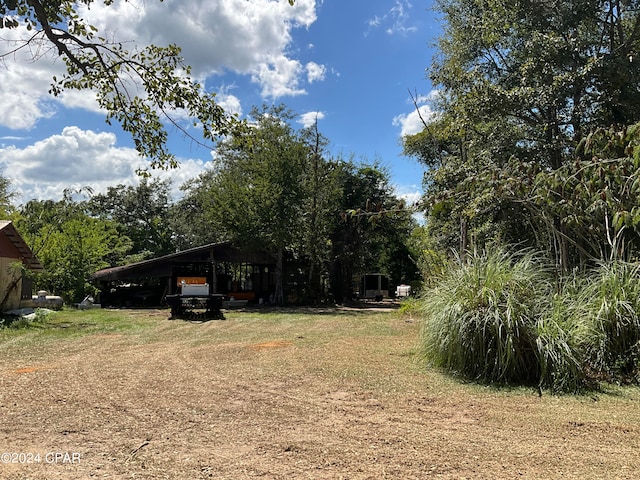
(69, 323)
(612, 301)
(283, 393)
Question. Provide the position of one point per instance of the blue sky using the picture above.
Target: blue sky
(351, 64)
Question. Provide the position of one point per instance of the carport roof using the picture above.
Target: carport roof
(162, 266)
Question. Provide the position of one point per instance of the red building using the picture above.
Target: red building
(15, 259)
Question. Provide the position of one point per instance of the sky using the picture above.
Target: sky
(353, 65)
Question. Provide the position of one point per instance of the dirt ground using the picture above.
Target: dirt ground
(238, 399)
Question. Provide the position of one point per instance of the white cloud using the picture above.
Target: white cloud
(13, 138)
(396, 20)
(409, 193)
(85, 100)
(309, 118)
(279, 78)
(229, 102)
(315, 72)
(20, 80)
(26, 76)
(247, 37)
(412, 195)
(411, 123)
(187, 170)
(77, 158)
(374, 22)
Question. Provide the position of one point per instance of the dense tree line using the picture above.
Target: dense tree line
(535, 139)
(69, 243)
(270, 187)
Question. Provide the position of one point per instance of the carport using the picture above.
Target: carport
(242, 273)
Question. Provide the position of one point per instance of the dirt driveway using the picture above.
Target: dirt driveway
(328, 396)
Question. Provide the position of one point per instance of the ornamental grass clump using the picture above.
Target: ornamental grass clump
(611, 300)
(481, 319)
(562, 331)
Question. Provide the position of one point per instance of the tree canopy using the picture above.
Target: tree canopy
(141, 214)
(277, 188)
(70, 244)
(523, 87)
(5, 197)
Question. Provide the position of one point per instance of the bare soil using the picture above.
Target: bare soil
(316, 396)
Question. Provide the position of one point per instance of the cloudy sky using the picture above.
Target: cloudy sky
(352, 65)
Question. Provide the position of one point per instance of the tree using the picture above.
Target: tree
(137, 88)
(430, 261)
(80, 247)
(596, 197)
(192, 217)
(69, 244)
(254, 194)
(141, 213)
(521, 84)
(370, 232)
(551, 69)
(321, 184)
(5, 197)
(278, 189)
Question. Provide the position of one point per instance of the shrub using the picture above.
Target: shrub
(611, 300)
(481, 319)
(561, 333)
(409, 306)
(496, 317)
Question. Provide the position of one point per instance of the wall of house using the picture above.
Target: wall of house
(7, 277)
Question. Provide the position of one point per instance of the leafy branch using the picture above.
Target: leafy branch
(140, 88)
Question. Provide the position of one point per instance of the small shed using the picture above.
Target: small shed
(241, 273)
(15, 257)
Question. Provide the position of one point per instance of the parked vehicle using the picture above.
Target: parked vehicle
(403, 291)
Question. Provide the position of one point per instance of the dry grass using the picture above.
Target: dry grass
(294, 394)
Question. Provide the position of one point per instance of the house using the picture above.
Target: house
(15, 258)
(244, 274)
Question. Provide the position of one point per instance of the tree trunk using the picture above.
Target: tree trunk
(278, 296)
(337, 281)
(10, 288)
(313, 283)
(463, 236)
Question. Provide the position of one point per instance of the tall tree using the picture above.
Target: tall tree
(256, 189)
(321, 185)
(6, 195)
(521, 83)
(192, 218)
(371, 230)
(279, 189)
(142, 215)
(70, 244)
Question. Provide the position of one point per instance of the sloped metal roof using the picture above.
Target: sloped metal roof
(162, 266)
(26, 255)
